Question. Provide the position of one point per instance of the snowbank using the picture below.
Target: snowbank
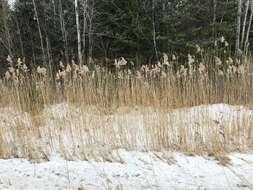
(136, 170)
(63, 132)
(74, 132)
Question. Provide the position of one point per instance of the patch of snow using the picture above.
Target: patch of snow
(137, 170)
(70, 130)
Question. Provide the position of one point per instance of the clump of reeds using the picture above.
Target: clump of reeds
(162, 86)
(166, 84)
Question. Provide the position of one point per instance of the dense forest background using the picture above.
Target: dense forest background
(47, 31)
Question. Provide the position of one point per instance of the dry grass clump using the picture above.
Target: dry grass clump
(89, 134)
(125, 108)
(164, 85)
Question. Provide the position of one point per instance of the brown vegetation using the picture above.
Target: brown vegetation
(132, 109)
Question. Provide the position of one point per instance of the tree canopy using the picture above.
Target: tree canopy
(141, 30)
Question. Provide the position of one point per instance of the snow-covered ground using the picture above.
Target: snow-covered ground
(134, 170)
(101, 141)
(74, 131)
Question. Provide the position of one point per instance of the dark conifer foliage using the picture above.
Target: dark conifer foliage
(140, 30)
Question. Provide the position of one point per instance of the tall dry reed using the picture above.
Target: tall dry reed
(108, 103)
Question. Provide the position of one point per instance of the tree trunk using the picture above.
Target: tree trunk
(238, 26)
(84, 24)
(50, 60)
(40, 33)
(244, 23)
(54, 8)
(214, 25)
(154, 30)
(79, 45)
(64, 33)
(6, 28)
(90, 34)
(246, 43)
(49, 55)
(20, 38)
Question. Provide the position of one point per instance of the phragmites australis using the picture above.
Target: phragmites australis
(120, 62)
(9, 60)
(7, 75)
(42, 71)
(165, 59)
(217, 61)
(174, 58)
(190, 59)
(198, 49)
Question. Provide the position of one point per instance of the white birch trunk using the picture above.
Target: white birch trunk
(154, 29)
(84, 24)
(244, 23)
(79, 45)
(246, 43)
(238, 26)
(63, 31)
(40, 33)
